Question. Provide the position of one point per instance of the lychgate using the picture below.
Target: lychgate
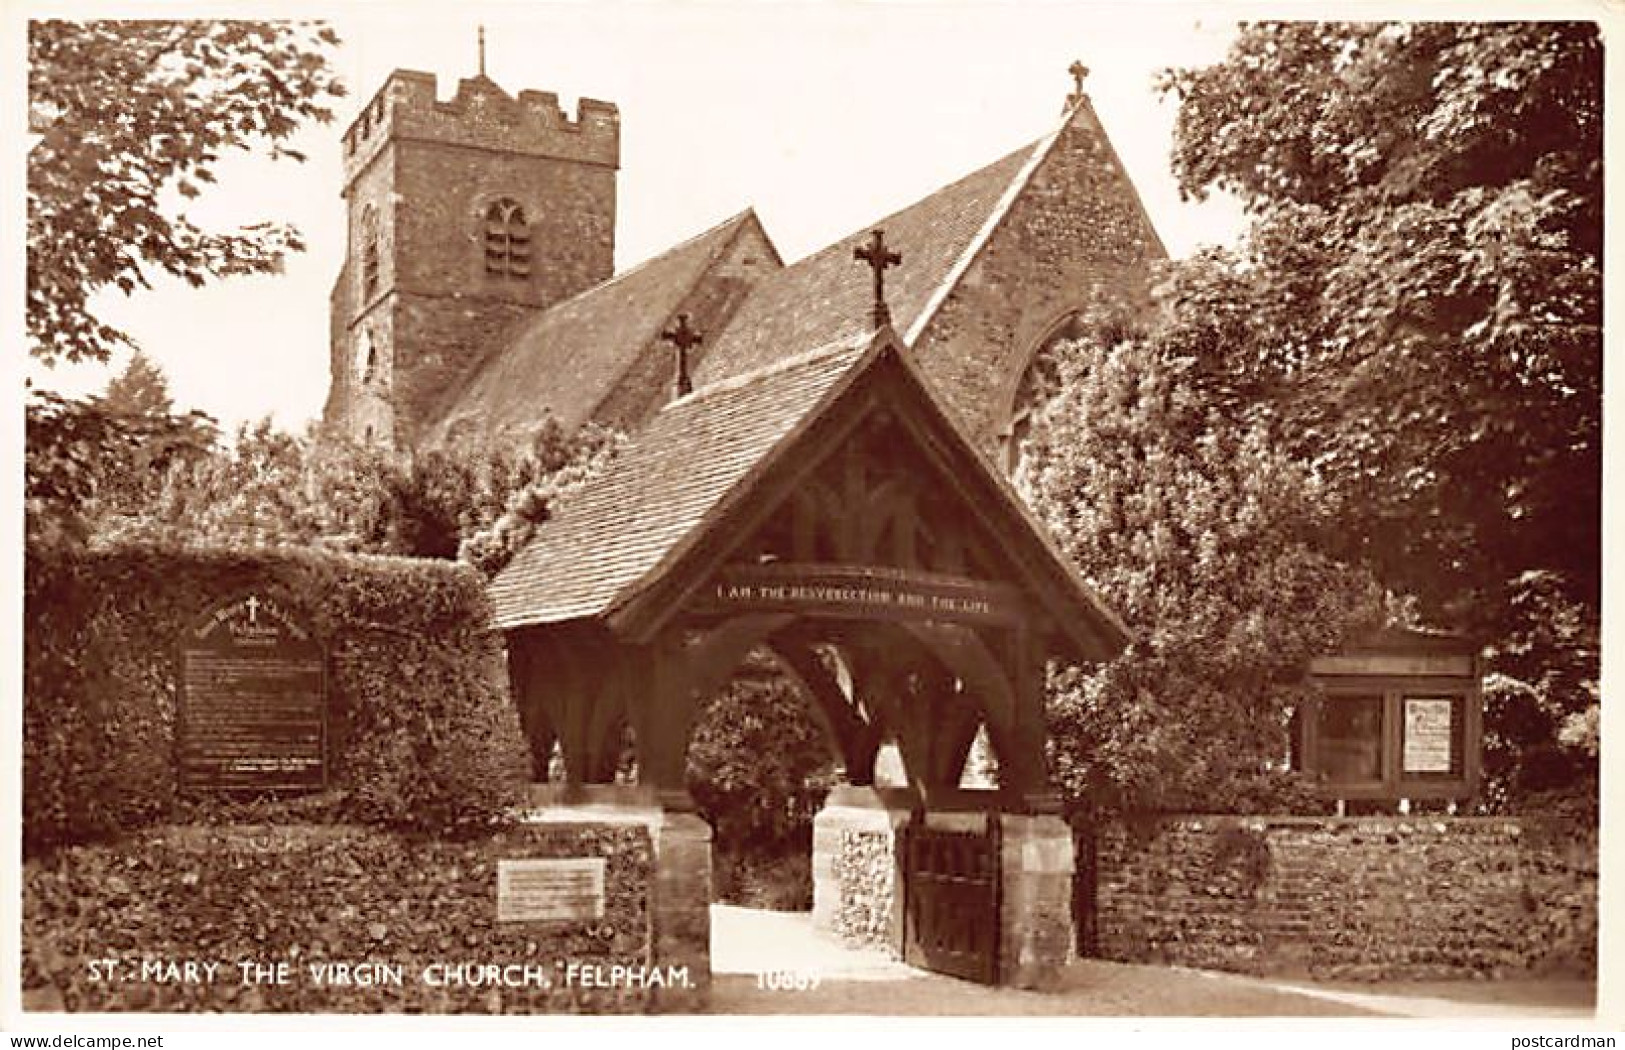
(828, 511)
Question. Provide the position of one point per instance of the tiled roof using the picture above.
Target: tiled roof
(826, 297)
(664, 485)
(616, 551)
(571, 357)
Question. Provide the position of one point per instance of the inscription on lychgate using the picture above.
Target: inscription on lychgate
(552, 890)
(865, 591)
(253, 699)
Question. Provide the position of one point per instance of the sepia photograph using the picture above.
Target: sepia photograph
(844, 510)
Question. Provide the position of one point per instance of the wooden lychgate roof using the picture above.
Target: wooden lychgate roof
(633, 546)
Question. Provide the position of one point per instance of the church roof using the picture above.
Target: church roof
(571, 357)
(622, 525)
(825, 297)
(630, 546)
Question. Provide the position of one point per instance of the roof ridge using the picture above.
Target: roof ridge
(719, 250)
(781, 364)
(846, 238)
(673, 250)
(446, 405)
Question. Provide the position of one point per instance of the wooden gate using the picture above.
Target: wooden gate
(1084, 880)
(951, 900)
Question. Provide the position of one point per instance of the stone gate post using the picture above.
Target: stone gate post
(1035, 910)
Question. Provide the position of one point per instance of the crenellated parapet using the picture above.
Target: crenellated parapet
(481, 115)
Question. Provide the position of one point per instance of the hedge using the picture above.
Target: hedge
(102, 922)
(421, 732)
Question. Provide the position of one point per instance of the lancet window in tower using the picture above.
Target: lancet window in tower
(367, 358)
(507, 239)
(369, 253)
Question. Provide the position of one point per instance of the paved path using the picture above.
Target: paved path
(746, 942)
(750, 941)
(1459, 1004)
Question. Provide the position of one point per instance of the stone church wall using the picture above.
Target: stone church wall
(1368, 898)
(440, 249)
(1076, 240)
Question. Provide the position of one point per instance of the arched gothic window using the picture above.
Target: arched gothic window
(1041, 382)
(507, 239)
(1038, 385)
(369, 253)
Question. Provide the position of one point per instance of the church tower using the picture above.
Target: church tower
(464, 218)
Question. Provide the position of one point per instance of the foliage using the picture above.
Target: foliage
(1197, 531)
(308, 895)
(421, 732)
(769, 882)
(1416, 310)
(67, 443)
(554, 465)
(759, 766)
(133, 115)
(139, 399)
(141, 389)
(436, 503)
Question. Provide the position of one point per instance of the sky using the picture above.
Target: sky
(822, 116)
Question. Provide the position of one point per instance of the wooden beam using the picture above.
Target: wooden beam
(855, 739)
(962, 650)
(665, 681)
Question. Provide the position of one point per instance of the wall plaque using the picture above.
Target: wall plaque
(253, 699)
(1428, 736)
(551, 890)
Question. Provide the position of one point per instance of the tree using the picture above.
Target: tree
(138, 402)
(1198, 532)
(134, 117)
(759, 767)
(1418, 302)
(439, 503)
(140, 390)
(68, 445)
(1415, 313)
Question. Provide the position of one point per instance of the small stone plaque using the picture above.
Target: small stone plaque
(552, 890)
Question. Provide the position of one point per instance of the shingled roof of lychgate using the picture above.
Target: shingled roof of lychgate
(658, 492)
(626, 548)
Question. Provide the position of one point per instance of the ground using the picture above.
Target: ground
(745, 942)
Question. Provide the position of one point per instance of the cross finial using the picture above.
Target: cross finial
(684, 338)
(482, 50)
(253, 604)
(878, 257)
(1079, 71)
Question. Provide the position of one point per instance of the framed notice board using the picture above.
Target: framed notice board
(253, 712)
(1400, 715)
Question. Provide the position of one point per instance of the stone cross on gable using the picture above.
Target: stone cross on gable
(684, 339)
(253, 604)
(1078, 71)
(878, 257)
